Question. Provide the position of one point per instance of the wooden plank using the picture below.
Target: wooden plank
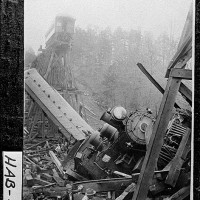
(56, 161)
(49, 65)
(181, 194)
(185, 43)
(29, 160)
(156, 140)
(55, 106)
(184, 51)
(37, 188)
(105, 185)
(111, 184)
(51, 128)
(186, 92)
(183, 54)
(181, 73)
(28, 178)
(156, 84)
(31, 109)
(179, 159)
(187, 29)
(57, 178)
(35, 121)
(75, 175)
(35, 145)
(41, 182)
(43, 124)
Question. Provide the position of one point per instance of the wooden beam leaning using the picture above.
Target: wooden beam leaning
(55, 106)
(181, 194)
(49, 65)
(56, 161)
(35, 122)
(181, 73)
(156, 84)
(31, 108)
(185, 43)
(43, 124)
(156, 141)
(187, 29)
(179, 159)
(184, 51)
(186, 92)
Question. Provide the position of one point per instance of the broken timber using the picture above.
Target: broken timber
(184, 90)
(165, 112)
(55, 106)
(56, 161)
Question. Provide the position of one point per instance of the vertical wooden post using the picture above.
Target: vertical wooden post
(49, 65)
(179, 60)
(43, 124)
(156, 141)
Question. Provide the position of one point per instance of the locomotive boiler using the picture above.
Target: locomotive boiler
(118, 148)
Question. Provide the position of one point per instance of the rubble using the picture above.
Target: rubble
(43, 177)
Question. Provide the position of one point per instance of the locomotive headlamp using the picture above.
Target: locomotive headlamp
(115, 116)
(119, 113)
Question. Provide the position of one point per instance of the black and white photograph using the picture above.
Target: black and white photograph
(108, 100)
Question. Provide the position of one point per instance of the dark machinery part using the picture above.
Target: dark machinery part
(114, 149)
(139, 126)
(176, 129)
(114, 116)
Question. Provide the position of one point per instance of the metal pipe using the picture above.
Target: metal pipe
(122, 174)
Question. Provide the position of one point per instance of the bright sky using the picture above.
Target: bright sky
(155, 16)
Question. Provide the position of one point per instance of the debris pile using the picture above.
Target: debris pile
(43, 177)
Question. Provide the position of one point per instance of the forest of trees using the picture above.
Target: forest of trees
(105, 62)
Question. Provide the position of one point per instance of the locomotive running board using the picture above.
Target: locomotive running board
(56, 107)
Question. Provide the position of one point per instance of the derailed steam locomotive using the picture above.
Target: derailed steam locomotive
(119, 147)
